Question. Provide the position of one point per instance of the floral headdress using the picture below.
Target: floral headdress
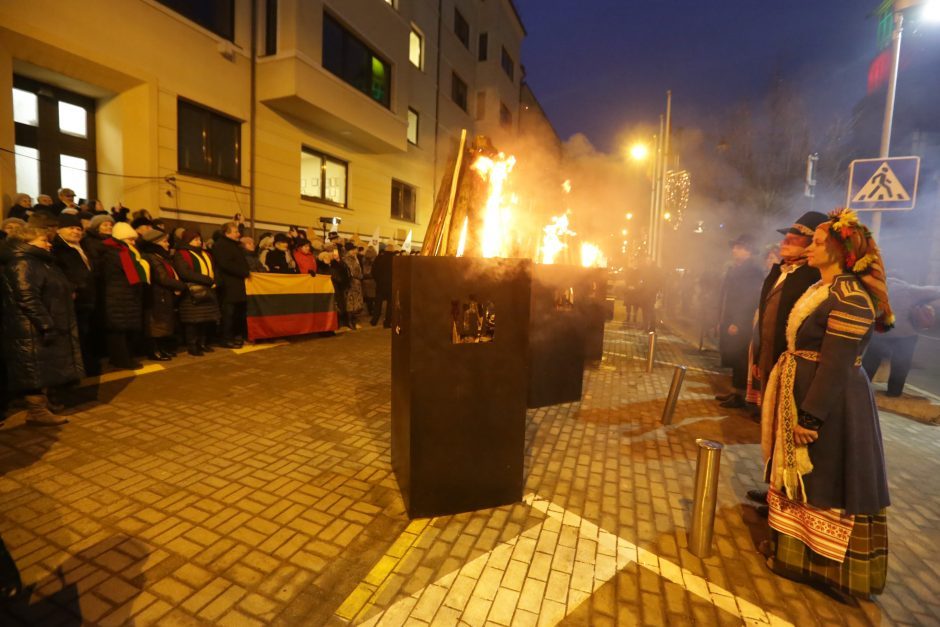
(861, 257)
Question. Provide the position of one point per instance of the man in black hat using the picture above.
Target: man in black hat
(784, 285)
(740, 293)
(77, 267)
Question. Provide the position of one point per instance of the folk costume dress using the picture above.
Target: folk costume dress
(827, 499)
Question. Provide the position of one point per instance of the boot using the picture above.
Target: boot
(195, 351)
(38, 414)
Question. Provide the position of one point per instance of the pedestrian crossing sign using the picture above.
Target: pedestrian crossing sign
(887, 184)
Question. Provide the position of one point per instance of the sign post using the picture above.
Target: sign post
(883, 184)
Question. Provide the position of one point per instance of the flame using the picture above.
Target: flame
(497, 213)
(592, 257)
(552, 243)
(462, 243)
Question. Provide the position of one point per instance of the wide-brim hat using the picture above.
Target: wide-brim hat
(806, 225)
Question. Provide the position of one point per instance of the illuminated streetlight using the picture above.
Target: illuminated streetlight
(624, 232)
(667, 216)
(931, 11)
(629, 216)
(639, 152)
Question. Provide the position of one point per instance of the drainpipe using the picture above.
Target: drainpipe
(437, 99)
(252, 122)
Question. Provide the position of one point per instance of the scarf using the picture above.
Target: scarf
(787, 463)
(135, 268)
(198, 260)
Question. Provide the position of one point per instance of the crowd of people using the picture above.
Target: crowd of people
(80, 285)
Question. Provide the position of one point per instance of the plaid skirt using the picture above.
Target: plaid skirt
(864, 570)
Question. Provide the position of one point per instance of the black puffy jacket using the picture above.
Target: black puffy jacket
(123, 302)
(40, 335)
(195, 310)
(231, 270)
(160, 297)
(79, 275)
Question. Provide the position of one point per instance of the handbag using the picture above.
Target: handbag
(199, 293)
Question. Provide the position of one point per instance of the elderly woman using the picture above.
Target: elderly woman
(821, 437)
(354, 302)
(40, 341)
(22, 207)
(124, 276)
(280, 260)
(199, 305)
(160, 298)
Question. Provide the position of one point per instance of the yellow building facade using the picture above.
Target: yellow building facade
(347, 108)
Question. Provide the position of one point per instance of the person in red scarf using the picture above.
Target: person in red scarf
(306, 260)
(160, 299)
(125, 274)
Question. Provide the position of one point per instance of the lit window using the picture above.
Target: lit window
(413, 126)
(208, 143)
(26, 162)
(414, 49)
(73, 172)
(73, 120)
(403, 201)
(346, 56)
(322, 177)
(25, 107)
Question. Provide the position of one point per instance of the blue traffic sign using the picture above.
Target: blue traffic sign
(888, 184)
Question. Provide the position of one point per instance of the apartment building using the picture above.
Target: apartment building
(286, 111)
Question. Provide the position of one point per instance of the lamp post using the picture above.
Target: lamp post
(931, 8)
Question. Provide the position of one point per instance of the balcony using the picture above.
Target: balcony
(299, 88)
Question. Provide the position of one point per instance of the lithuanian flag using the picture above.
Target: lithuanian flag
(289, 304)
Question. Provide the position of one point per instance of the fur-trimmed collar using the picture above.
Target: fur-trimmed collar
(806, 305)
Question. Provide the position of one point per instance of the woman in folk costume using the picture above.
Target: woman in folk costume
(199, 307)
(821, 437)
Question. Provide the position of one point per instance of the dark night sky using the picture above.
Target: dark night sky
(602, 66)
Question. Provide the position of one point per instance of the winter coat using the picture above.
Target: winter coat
(276, 261)
(160, 298)
(740, 295)
(192, 271)
(80, 276)
(93, 243)
(848, 457)
(40, 334)
(368, 280)
(354, 301)
(382, 273)
(796, 283)
(254, 262)
(306, 263)
(231, 269)
(123, 302)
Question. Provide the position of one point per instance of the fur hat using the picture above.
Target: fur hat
(139, 222)
(66, 220)
(123, 230)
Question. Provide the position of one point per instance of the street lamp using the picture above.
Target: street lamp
(930, 10)
(639, 152)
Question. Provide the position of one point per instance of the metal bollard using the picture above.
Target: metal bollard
(678, 376)
(651, 356)
(706, 497)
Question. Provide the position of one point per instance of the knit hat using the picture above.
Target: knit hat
(98, 220)
(281, 238)
(123, 230)
(139, 222)
(154, 236)
(188, 236)
(350, 246)
(66, 220)
(86, 215)
(43, 220)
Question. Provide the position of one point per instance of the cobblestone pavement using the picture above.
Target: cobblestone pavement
(256, 489)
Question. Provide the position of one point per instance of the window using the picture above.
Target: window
(481, 105)
(458, 91)
(461, 28)
(415, 47)
(505, 116)
(413, 126)
(270, 27)
(351, 60)
(403, 201)
(217, 16)
(322, 177)
(208, 143)
(54, 140)
(482, 45)
(509, 66)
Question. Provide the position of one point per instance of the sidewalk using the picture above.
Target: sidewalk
(198, 495)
